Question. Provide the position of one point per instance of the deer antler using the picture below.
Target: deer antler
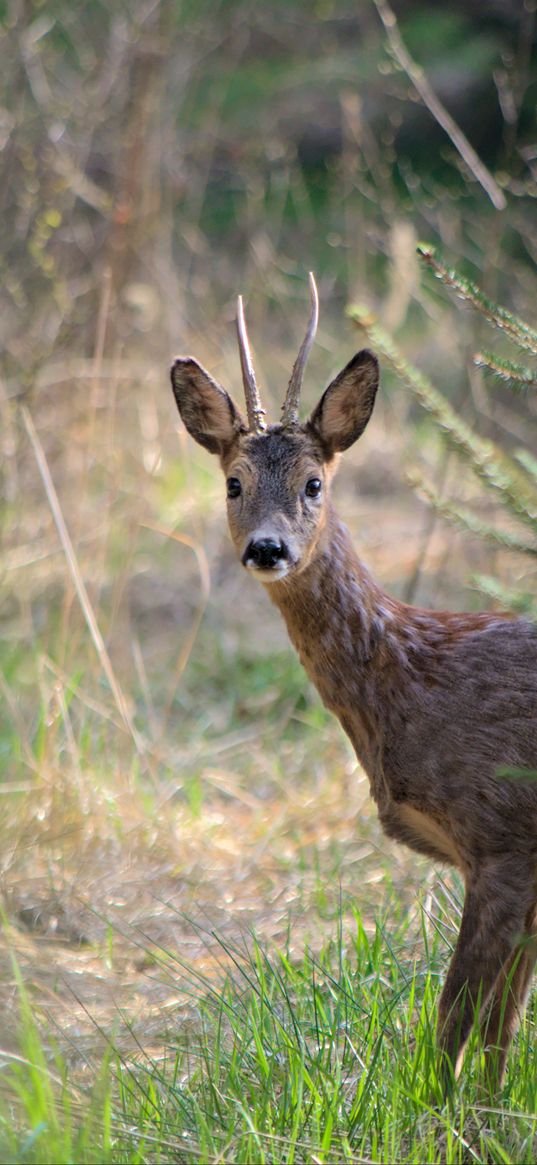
(292, 399)
(254, 407)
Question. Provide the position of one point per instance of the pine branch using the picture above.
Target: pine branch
(493, 466)
(467, 520)
(515, 375)
(510, 599)
(515, 328)
(527, 461)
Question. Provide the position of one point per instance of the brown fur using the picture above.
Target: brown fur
(435, 703)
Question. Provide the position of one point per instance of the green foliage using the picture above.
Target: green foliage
(44, 1118)
(498, 470)
(291, 1059)
(517, 330)
(515, 375)
(493, 466)
(466, 519)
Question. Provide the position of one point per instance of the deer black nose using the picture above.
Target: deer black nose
(264, 553)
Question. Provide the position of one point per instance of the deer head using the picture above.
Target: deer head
(277, 476)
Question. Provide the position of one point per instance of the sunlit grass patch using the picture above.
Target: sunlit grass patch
(324, 1055)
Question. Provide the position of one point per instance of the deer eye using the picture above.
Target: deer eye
(313, 487)
(234, 487)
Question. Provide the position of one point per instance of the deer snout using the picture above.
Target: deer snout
(265, 554)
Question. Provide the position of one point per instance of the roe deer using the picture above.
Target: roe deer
(434, 702)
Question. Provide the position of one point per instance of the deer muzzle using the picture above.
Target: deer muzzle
(266, 554)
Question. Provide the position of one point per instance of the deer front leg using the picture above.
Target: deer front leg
(502, 1014)
(496, 906)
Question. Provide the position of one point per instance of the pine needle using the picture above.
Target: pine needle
(483, 456)
(515, 375)
(514, 327)
(467, 520)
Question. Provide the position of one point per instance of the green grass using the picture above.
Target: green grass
(286, 1057)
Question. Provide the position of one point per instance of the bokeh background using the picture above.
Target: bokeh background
(167, 771)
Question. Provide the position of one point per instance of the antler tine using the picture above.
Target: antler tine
(254, 407)
(292, 399)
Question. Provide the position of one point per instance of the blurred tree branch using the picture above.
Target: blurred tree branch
(435, 107)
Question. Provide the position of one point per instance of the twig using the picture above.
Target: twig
(78, 581)
(205, 580)
(435, 107)
(429, 527)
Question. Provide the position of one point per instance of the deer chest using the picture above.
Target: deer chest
(422, 832)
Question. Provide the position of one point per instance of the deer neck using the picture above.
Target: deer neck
(337, 619)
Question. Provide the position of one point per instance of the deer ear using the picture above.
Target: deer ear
(208, 412)
(345, 408)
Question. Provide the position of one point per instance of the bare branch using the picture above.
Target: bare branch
(435, 107)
